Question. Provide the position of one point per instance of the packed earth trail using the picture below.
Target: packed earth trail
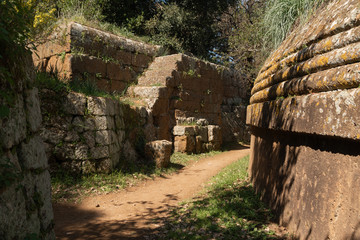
(136, 213)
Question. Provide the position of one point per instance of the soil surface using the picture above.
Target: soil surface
(137, 212)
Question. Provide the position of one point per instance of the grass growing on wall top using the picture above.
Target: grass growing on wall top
(281, 15)
(87, 87)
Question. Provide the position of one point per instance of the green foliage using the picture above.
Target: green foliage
(229, 209)
(167, 26)
(86, 86)
(241, 25)
(281, 15)
(49, 81)
(187, 26)
(131, 14)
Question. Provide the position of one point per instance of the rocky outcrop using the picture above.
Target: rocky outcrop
(304, 121)
(25, 202)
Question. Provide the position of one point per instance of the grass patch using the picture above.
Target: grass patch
(133, 101)
(105, 26)
(227, 209)
(280, 16)
(73, 187)
(52, 82)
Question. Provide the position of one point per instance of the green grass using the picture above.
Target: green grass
(87, 87)
(280, 16)
(73, 187)
(228, 209)
(105, 26)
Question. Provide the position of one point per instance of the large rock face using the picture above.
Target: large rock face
(25, 202)
(304, 117)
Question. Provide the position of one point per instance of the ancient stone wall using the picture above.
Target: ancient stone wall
(87, 134)
(25, 202)
(77, 52)
(304, 118)
(181, 91)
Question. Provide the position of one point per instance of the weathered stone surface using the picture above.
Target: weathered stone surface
(78, 124)
(103, 137)
(13, 217)
(151, 92)
(184, 130)
(214, 133)
(199, 145)
(129, 152)
(13, 129)
(33, 114)
(43, 186)
(150, 132)
(304, 144)
(160, 152)
(32, 154)
(118, 86)
(202, 133)
(316, 192)
(101, 106)
(105, 166)
(184, 144)
(81, 151)
(112, 41)
(101, 122)
(89, 137)
(140, 60)
(71, 136)
(75, 103)
(99, 152)
(90, 123)
(25, 203)
(88, 64)
(331, 114)
(119, 122)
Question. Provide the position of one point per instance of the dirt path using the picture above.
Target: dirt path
(135, 212)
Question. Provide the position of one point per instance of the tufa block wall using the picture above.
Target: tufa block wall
(90, 134)
(78, 52)
(304, 117)
(25, 202)
(180, 90)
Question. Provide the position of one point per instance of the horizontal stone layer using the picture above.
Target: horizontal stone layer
(325, 45)
(343, 77)
(306, 35)
(330, 114)
(84, 35)
(346, 55)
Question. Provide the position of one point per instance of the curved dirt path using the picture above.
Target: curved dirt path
(137, 211)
